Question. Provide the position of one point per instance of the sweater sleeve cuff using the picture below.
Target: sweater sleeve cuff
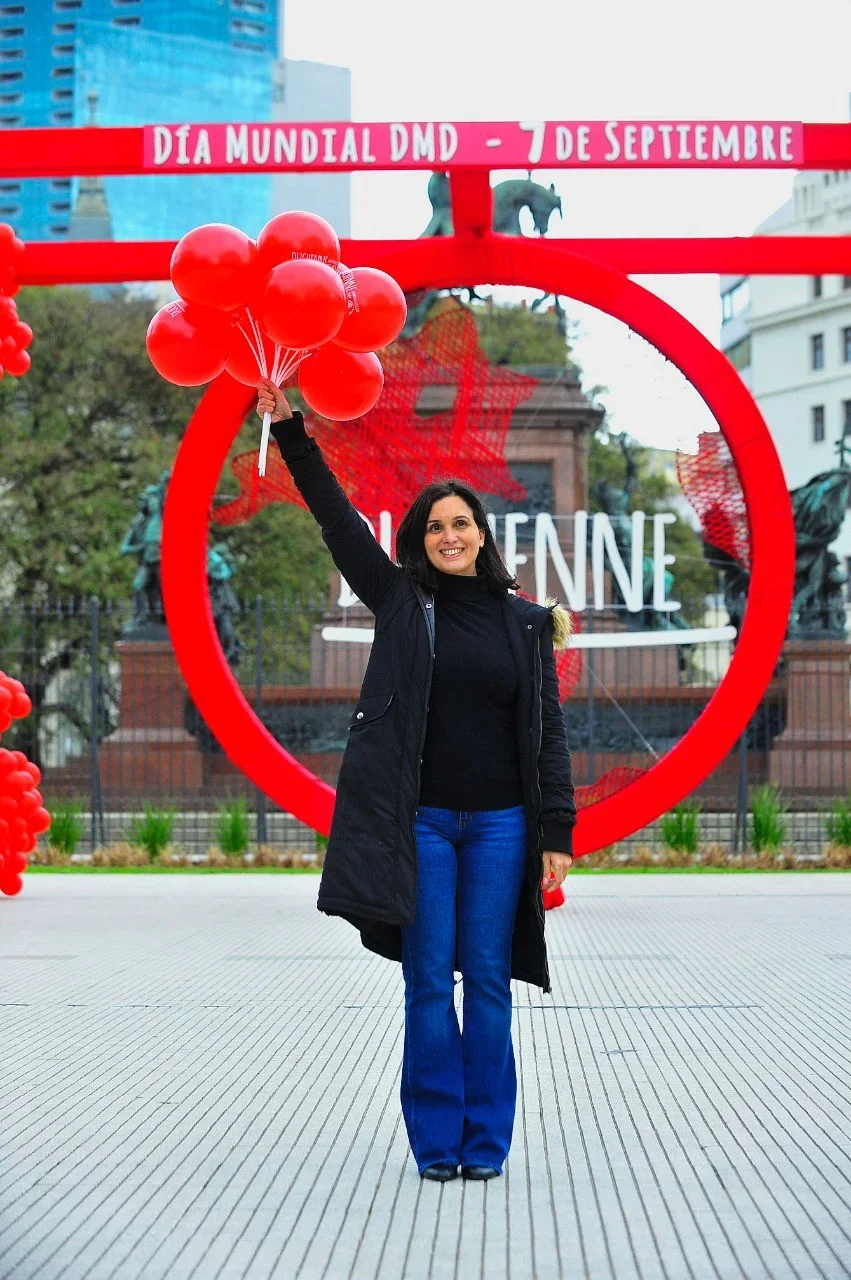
(291, 438)
(557, 829)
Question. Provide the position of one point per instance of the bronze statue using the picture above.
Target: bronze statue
(509, 199)
(143, 541)
(818, 603)
(221, 567)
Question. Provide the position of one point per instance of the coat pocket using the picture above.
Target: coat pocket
(370, 709)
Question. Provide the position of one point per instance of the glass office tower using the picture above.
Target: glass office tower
(138, 61)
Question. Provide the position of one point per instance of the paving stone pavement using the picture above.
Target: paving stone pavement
(199, 1078)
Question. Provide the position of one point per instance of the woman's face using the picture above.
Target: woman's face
(452, 537)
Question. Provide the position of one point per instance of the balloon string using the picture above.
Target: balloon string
(261, 348)
(257, 351)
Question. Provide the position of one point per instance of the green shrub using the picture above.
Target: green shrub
(680, 827)
(66, 825)
(838, 824)
(153, 831)
(233, 828)
(768, 826)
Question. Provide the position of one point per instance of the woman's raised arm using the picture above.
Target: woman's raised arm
(360, 558)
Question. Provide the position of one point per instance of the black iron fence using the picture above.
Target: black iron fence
(113, 727)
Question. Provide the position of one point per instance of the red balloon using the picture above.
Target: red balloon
(8, 346)
(22, 333)
(21, 705)
(185, 346)
(5, 721)
(11, 884)
(18, 782)
(216, 266)
(7, 239)
(17, 363)
(39, 822)
(5, 698)
(17, 861)
(377, 310)
(34, 772)
(242, 362)
(30, 802)
(339, 384)
(294, 235)
(304, 304)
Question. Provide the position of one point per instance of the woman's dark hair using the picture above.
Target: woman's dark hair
(410, 538)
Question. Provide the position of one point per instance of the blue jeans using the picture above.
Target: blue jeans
(459, 1090)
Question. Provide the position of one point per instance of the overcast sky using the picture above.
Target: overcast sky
(656, 59)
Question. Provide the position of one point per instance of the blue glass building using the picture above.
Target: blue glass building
(146, 61)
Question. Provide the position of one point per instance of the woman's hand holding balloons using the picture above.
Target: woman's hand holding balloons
(271, 400)
(260, 310)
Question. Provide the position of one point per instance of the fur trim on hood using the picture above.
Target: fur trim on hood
(561, 623)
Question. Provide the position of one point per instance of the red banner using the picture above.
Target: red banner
(567, 144)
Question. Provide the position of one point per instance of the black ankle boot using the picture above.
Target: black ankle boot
(479, 1172)
(440, 1172)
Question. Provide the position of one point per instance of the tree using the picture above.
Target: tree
(83, 433)
(519, 336)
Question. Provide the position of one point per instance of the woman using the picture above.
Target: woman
(455, 799)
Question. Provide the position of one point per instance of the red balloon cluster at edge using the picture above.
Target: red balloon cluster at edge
(15, 336)
(23, 817)
(263, 309)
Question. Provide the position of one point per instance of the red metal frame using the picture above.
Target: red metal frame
(593, 271)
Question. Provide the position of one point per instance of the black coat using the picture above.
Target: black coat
(370, 872)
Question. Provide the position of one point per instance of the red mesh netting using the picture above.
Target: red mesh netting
(569, 662)
(606, 785)
(383, 459)
(710, 481)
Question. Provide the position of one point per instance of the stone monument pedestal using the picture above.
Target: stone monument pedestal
(150, 752)
(814, 751)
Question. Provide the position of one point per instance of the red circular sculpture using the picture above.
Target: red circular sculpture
(441, 263)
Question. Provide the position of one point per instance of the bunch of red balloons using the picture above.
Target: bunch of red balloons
(15, 336)
(264, 309)
(23, 817)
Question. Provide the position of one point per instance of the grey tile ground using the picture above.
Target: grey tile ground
(200, 1080)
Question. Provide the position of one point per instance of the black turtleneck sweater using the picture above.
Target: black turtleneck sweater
(470, 757)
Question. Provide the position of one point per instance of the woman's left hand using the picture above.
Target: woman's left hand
(556, 867)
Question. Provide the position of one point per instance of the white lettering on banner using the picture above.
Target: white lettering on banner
(786, 142)
(666, 130)
(768, 152)
(422, 142)
(700, 152)
(236, 144)
(349, 151)
(328, 156)
(564, 142)
(546, 539)
(398, 142)
(202, 148)
(365, 154)
(285, 146)
(309, 146)
(612, 138)
(261, 145)
(162, 143)
(660, 560)
(447, 142)
(751, 149)
(182, 133)
(538, 130)
(647, 138)
(725, 146)
(605, 553)
(630, 134)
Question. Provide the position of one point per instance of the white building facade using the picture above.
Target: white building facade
(790, 339)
